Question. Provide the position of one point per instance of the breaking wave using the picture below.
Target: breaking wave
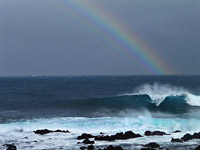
(159, 93)
(154, 98)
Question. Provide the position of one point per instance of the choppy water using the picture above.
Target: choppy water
(96, 104)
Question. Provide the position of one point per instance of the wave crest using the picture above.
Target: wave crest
(158, 93)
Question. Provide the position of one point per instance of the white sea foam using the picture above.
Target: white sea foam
(158, 93)
(15, 132)
(193, 100)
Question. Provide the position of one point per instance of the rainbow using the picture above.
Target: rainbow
(104, 25)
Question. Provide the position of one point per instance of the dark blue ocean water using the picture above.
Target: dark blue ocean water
(94, 104)
(93, 96)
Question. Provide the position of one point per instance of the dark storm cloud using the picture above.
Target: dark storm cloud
(37, 38)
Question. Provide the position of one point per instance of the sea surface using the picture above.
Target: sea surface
(94, 104)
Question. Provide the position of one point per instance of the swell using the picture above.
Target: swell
(154, 98)
(171, 104)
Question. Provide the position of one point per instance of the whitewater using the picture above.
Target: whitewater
(94, 104)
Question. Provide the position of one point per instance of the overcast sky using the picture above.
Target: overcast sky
(38, 37)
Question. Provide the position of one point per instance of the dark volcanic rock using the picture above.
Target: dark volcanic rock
(90, 147)
(104, 138)
(118, 148)
(118, 136)
(177, 131)
(111, 147)
(87, 141)
(147, 148)
(130, 134)
(101, 133)
(63, 131)
(149, 133)
(152, 145)
(187, 137)
(83, 147)
(176, 140)
(10, 147)
(46, 131)
(84, 136)
(197, 148)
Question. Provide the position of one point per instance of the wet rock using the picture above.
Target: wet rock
(176, 140)
(104, 138)
(90, 147)
(177, 131)
(118, 148)
(42, 132)
(147, 148)
(160, 133)
(46, 131)
(130, 134)
(63, 131)
(10, 147)
(87, 141)
(118, 136)
(84, 136)
(152, 145)
(111, 147)
(197, 148)
(187, 137)
(83, 147)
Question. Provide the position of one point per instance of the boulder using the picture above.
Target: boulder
(177, 131)
(101, 133)
(63, 131)
(118, 148)
(176, 140)
(130, 134)
(90, 147)
(111, 147)
(152, 145)
(83, 147)
(160, 133)
(118, 136)
(84, 136)
(188, 136)
(147, 148)
(87, 141)
(46, 131)
(10, 147)
(197, 148)
(42, 132)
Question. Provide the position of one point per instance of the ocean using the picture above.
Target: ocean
(94, 104)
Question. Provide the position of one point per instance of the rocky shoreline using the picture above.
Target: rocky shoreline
(89, 140)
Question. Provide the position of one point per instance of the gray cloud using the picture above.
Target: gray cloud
(37, 37)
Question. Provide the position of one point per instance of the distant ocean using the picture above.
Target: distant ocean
(95, 104)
